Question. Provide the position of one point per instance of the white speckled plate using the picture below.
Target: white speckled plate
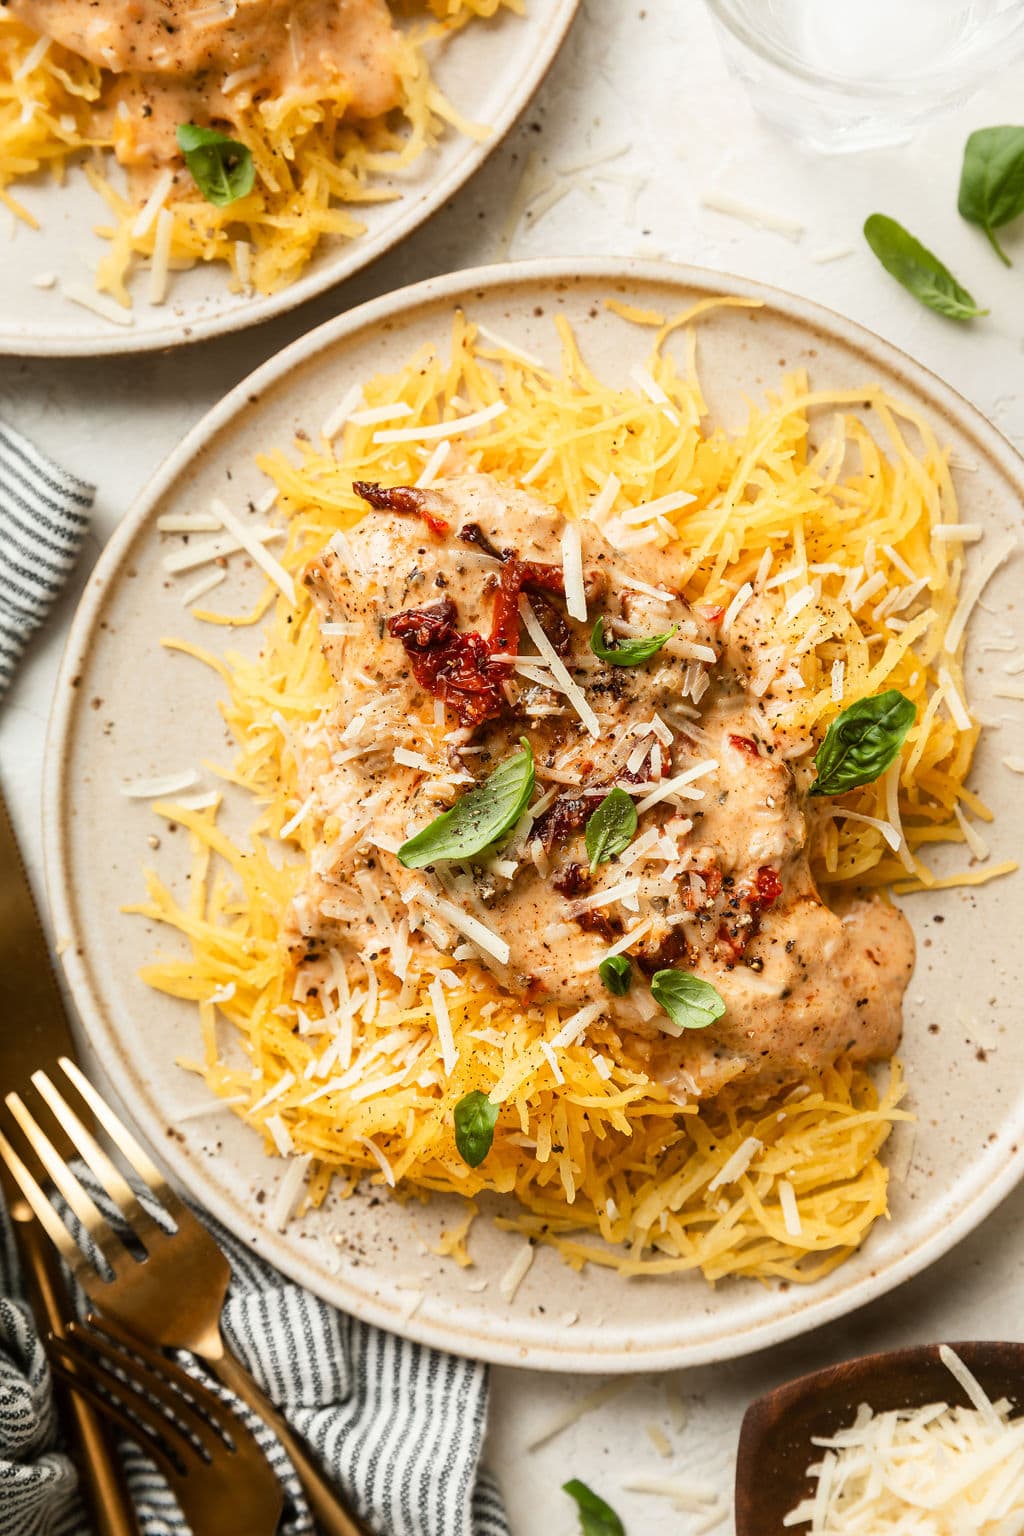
(125, 707)
(489, 71)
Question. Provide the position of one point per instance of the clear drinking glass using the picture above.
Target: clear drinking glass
(844, 75)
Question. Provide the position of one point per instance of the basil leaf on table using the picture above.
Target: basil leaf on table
(616, 973)
(479, 818)
(628, 653)
(921, 273)
(863, 742)
(689, 1002)
(475, 1119)
(992, 181)
(611, 828)
(596, 1517)
(221, 168)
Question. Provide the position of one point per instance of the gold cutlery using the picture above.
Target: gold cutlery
(174, 1297)
(35, 1028)
(213, 1465)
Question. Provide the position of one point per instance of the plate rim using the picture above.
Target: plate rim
(453, 287)
(420, 207)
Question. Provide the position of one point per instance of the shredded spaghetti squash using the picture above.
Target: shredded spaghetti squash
(854, 528)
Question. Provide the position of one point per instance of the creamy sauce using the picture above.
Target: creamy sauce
(181, 61)
(722, 886)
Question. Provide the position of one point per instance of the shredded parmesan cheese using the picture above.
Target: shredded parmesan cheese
(251, 543)
(572, 566)
(921, 1471)
(737, 1164)
(573, 692)
(514, 1276)
(289, 1190)
(160, 788)
(442, 428)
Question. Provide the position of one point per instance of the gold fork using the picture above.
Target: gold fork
(214, 1466)
(172, 1298)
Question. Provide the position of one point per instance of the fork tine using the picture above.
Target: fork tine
(117, 1187)
(101, 1347)
(123, 1139)
(145, 1429)
(84, 1207)
(48, 1219)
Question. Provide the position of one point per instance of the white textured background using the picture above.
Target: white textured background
(646, 80)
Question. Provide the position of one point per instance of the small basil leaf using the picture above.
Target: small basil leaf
(596, 1517)
(479, 818)
(689, 1002)
(921, 273)
(475, 1119)
(611, 828)
(616, 973)
(221, 168)
(863, 742)
(628, 653)
(992, 181)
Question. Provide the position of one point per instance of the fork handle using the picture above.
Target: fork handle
(324, 1499)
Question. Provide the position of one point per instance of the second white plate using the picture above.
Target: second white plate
(488, 71)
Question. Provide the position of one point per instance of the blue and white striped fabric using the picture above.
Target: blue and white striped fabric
(398, 1425)
(44, 516)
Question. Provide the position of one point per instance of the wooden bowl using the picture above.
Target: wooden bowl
(775, 1447)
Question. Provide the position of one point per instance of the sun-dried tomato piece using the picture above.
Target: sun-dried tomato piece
(424, 629)
(472, 533)
(453, 665)
(673, 950)
(768, 886)
(517, 576)
(573, 880)
(745, 744)
(401, 498)
(754, 903)
(598, 922)
(562, 819)
(457, 666)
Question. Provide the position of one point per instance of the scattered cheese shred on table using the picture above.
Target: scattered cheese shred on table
(605, 1167)
(931, 1471)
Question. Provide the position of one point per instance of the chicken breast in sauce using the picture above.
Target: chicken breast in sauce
(438, 679)
(178, 61)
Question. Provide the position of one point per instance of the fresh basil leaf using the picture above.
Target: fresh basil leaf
(862, 743)
(992, 181)
(921, 273)
(596, 1517)
(628, 653)
(616, 973)
(479, 818)
(611, 828)
(221, 168)
(475, 1119)
(689, 1002)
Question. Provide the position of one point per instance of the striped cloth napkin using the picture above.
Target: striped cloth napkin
(398, 1425)
(44, 516)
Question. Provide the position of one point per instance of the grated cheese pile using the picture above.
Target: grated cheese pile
(931, 1471)
(312, 164)
(366, 1061)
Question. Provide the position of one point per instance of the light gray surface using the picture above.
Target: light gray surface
(656, 87)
